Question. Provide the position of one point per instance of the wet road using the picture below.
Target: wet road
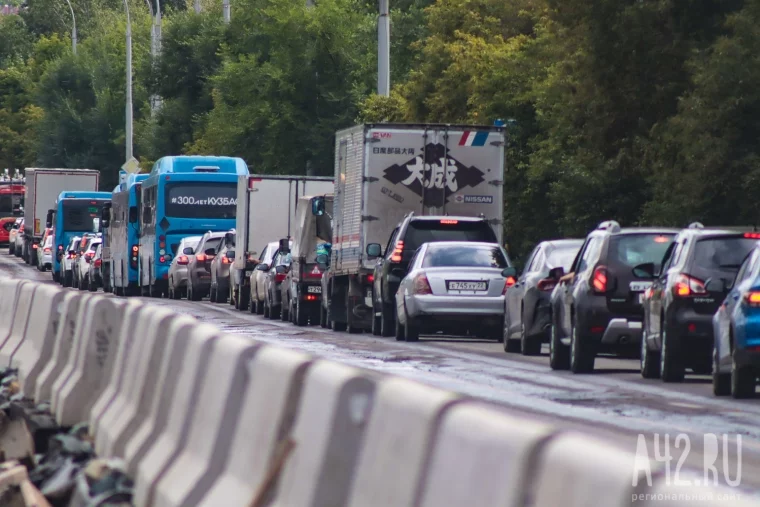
(613, 403)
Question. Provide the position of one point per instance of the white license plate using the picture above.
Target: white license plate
(368, 298)
(473, 286)
(314, 289)
(641, 299)
(639, 286)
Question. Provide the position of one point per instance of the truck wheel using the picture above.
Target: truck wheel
(351, 327)
(334, 325)
(322, 316)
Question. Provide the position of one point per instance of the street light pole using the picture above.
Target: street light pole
(383, 50)
(73, 29)
(129, 84)
(226, 10)
(155, 46)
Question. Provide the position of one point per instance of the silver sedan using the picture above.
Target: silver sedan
(453, 287)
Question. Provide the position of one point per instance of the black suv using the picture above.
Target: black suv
(597, 307)
(686, 293)
(405, 239)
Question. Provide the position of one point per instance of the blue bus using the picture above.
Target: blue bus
(123, 237)
(74, 214)
(183, 196)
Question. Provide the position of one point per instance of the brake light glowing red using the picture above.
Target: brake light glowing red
(47, 250)
(752, 235)
(135, 249)
(98, 263)
(35, 247)
(183, 260)
(226, 260)
(599, 281)
(398, 252)
(422, 285)
(686, 286)
(201, 257)
(279, 277)
(162, 259)
(752, 298)
(449, 222)
(311, 297)
(370, 278)
(661, 239)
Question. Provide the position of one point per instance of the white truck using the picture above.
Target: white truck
(384, 172)
(42, 189)
(266, 207)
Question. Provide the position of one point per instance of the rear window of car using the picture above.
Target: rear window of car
(428, 231)
(722, 253)
(634, 249)
(8, 225)
(464, 257)
(212, 243)
(562, 257)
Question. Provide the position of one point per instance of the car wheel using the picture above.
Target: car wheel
(742, 380)
(671, 367)
(212, 294)
(82, 284)
(559, 354)
(91, 286)
(721, 382)
(267, 312)
(377, 322)
(648, 360)
(191, 295)
(400, 332)
(387, 320)
(581, 354)
(302, 318)
(253, 306)
(412, 328)
(509, 344)
(529, 346)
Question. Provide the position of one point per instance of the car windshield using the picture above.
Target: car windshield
(428, 231)
(562, 257)
(469, 256)
(634, 249)
(722, 253)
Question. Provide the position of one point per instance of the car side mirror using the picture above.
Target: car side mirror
(318, 206)
(647, 271)
(210, 251)
(374, 250)
(509, 271)
(556, 273)
(398, 272)
(49, 218)
(263, 267)
(133, 215)
(716, 285)
(230, 254)
(188, 250)
(322, 261)
(229, 239)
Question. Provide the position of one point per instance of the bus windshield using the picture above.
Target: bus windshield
(201, 200)
(79, 214)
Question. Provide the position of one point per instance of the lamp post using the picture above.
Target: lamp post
(129, 84)
(155, 46)
(73, 29)
(383, 50)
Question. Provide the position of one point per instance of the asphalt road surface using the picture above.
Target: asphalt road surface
(613, 403)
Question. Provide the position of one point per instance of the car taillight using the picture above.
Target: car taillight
(89, 255)
(201, 257)
(279, 277)
(311, 297)
(183, 260)
(752, 298)
(600, 280)
(47, 250)
(60, 248)
(398, 252)
(509, 282)
(98, 263)
(752, 235)
(162, 259)
(422, 285)
(226, 260)
(370, 278)
(547, 284)
(686, 286)
(35, 247)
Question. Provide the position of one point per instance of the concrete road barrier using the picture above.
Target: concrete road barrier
(578, 471)
(184, 397)
(269, 410)
(481, 456)
(212, 424)
(140, 384)
(62, 344)
(118, 373)
(178, 341)
(21, 315)
(94, 357)
(35, 349)
(330, 427)
(399, 438)
(9, 288)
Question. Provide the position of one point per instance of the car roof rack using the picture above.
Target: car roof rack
(696, 225)
(609, 225)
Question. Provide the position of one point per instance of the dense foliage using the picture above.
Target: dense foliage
(641, 110)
